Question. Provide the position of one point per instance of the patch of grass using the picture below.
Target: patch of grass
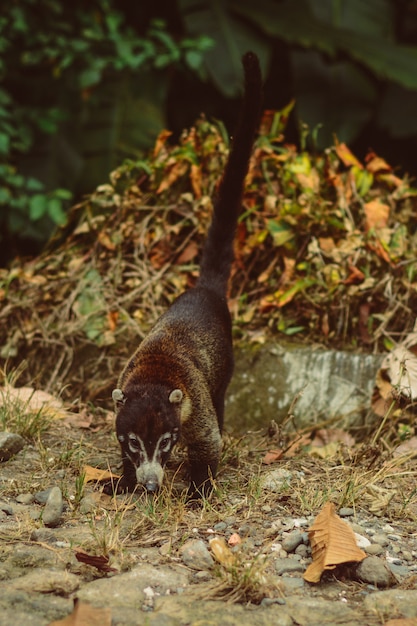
(18, 412)
(243, 577)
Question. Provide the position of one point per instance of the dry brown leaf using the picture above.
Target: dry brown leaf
(346, 156)
(324, 436)
(408, 448)
(376, 214)
(99, 562)
(33, 400)
(301, 441)
(222, 552)
(92, 474)
(397, 375)
(189, 253)
(332, 543)
(272, 456)
(160, 141)
(85, 615)
(378, 499)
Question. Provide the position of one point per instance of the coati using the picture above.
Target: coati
(174, 384)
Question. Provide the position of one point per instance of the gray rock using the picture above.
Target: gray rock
(25, 498)
(127, 590)
(398, 602)
(194, 554)
(346, 512)
(336, 384)
(10, 444)
(6, 508)
(285, 566)
(53, 508)
(276, 480)
(375, 549)
(41, 497)
(43, 535)
(292, 541)
(374, 570)
(381, 539)
(45, 581)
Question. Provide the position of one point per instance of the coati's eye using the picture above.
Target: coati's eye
(165, 444)
(134, 444)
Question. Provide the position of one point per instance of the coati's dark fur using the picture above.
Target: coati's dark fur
(174, 384)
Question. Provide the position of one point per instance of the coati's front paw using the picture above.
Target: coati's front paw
(116, 487)
(196, 493)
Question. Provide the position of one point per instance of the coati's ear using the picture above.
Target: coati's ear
(118, 396)
(175, 396)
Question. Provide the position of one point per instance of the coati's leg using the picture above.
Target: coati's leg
(204, 457)
(126, 483)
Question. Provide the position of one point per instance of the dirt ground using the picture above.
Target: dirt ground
(100, 540)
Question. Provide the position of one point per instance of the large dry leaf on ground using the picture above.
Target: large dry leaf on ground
(397, 376)
(85, 615)
(332, 543)
(92, 474)
(32, 400)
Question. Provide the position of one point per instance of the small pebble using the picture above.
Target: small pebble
(292, 541)
(42, 496)
(381, 539)
(374, 549)
(6, 508)
(374, 571)
(10, 445)
(346, 512)
(53, 508)
(283, 566)
(194, 554)
(25, 498)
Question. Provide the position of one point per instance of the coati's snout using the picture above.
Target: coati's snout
(147, 429)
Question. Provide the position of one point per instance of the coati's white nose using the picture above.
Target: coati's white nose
(150, 475)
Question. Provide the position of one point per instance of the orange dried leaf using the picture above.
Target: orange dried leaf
(196, 178)
(271, 456)
(376, 214)
(332, 543)
(189, 253)
(160, 141)
(85, 615)
(377, 164)
(92, 474)
(346, 156)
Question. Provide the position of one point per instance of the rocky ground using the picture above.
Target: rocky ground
(152, 561)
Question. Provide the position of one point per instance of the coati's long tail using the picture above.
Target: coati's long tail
(218, 252)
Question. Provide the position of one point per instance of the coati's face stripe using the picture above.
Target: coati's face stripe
(149, 467)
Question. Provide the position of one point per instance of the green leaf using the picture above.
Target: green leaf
(281, 232)
(232, 36)
(33, 184)
(295, 22)
(4, 143)
(37, 206)
(55, 211)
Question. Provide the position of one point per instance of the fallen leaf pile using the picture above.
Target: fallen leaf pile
(325, 250)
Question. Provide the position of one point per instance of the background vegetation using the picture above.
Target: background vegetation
(84, 86)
